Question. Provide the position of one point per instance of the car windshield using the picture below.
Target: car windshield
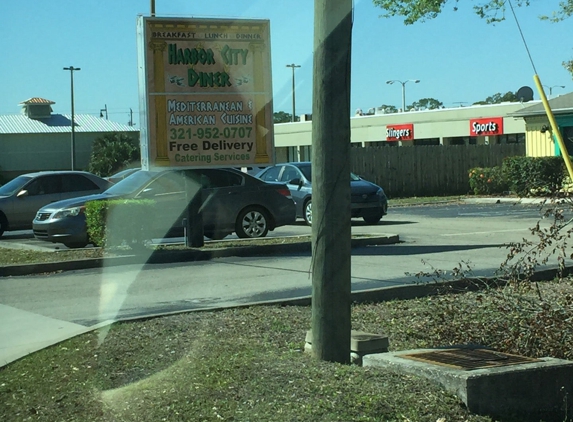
(132, 183)
(14, 185)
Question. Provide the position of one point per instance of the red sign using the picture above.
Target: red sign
(489, 126)
(400, 132)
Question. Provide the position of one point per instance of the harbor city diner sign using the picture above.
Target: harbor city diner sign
(205, 92)
(489, 126)
(404, 132)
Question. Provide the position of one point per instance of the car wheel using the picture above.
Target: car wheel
(307, 212)
(75, 245)
(252, 222)
(3, 224)
(372, 217)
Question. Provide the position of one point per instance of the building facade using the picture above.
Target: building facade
(475, 125)
(38, 139)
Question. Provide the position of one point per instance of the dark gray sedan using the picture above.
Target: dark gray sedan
(232, 201)
(367, 199)
(23, 196)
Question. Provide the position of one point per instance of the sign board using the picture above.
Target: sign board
(205, 92)
(489, 126)
(403, 132)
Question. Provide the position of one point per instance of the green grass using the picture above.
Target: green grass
(248, 364)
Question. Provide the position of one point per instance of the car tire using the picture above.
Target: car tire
(372, 217)
(3, 224)
(307, 212)
(252, 222)
(75, 245)
(216, 235)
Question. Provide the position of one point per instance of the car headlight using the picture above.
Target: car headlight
(69, 212)
(380, 192)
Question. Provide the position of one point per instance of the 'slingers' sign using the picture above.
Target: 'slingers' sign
(205, 92)
(400, 132)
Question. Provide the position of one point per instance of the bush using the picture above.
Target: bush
(534, 176)
(487, 180)
(118, 222)
(113, 152)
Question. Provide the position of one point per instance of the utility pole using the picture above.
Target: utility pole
(331, 229)
(102, 110)
(293, 95)
(73, 140)
(130, 117)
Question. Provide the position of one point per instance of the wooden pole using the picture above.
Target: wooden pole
(331, 229)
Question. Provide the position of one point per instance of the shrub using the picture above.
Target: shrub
(119, 221)
(534, 176)
(487, 180)
(113, 152)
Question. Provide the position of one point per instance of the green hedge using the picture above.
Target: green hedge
(523, 176)
(118, 222)
(534, 176)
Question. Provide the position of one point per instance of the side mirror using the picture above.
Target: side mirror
(22, 193)
(295, 181)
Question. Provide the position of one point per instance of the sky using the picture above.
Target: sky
(458, 57)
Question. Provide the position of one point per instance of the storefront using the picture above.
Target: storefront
(474, 125)
(540, 142)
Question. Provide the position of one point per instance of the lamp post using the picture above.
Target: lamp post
(73, 140)
(102, 110)
(293, 66)
(403, 89)
(554, 86)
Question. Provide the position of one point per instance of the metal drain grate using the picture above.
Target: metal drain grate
(468, 359)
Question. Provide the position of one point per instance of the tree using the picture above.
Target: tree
(388, 108)
(499, 98)
(491, 10)
(426, 104)
(112, 152)
(282, 117)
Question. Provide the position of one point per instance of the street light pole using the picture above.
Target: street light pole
(73, 140)
(403, 89)
(293, 96)
(102, 110)
(554, 86)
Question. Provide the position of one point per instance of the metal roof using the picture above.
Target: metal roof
(60, 123)
(559, 105)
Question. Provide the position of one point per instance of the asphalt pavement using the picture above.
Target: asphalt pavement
(28, 331)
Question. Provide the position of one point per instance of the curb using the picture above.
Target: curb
(187, 255)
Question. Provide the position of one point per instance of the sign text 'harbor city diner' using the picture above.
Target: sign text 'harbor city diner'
(210, 89)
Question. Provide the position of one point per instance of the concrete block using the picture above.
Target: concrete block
(361, 344)
(533, 391)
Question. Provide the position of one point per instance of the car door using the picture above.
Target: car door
(40, 191)
(224, 196)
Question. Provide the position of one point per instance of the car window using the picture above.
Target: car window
(44, 185)
(220, 179)
(77, 183)
(170, 182)
(271, 175)
(289, 174)
(14, 185)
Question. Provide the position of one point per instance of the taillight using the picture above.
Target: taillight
(284, 192)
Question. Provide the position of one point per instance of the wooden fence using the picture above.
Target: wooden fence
(427, 170)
